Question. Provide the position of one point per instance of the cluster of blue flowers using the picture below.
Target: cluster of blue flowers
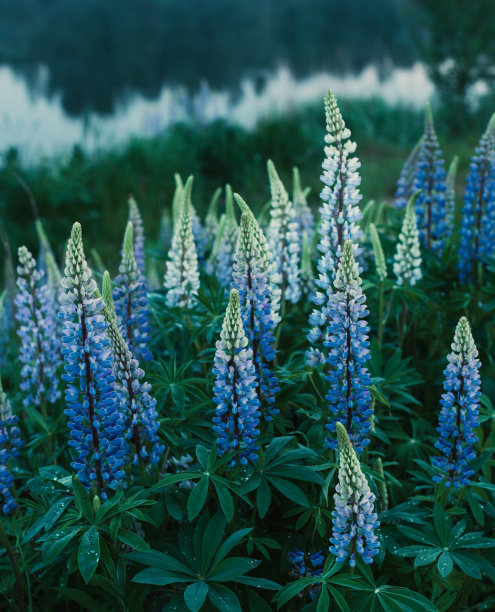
(40, 346)
(478, 214)
(405, 184)
(10, 442)
(237, 412)
(348, 351)
(131, 302)
(459, 414)
(95, 422)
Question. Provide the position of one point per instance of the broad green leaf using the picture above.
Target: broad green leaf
(445, 564)
(212, 538)
(290, 490)
(203, 455)
(82, 598)
(259, 583)
(223, 598)
(440, 521)
(88, 554)
(58, 541)
(231, 568)
(323, 600)
(161, 561)
(291, 590)
(263, 498)
(56, 511)
(467, 565)
(225, 500)
(426, 556)
(83, 502)
(160, 577)
(230, 543)
(133, 540)
(197, 498)
(195, 595)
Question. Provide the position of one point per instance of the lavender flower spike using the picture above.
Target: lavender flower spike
(10, 441)
(138, 237)
(354, 519)
(131, 302)
(406, 178)
(459, 414)
(237, 414)
(134, 393)
(407, 259)
(95, 422)
(39, 352)
(348, 351)
(182, 274)
(284, 240)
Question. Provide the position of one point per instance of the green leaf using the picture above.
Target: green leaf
(445, 564)
(223, 598)
(58, 541)
(212, 537)
(225, 500)
(263, 498)
(83, 502)
(229, 544)
(82, 599)
(88, 554)
(232, 568)
(161, 561)
(290, 490)
(133, 540)
(195, 595)
(159, 577)
(291, 590)
(323, 600)
(203, 455)
(407, 599)
(440, 522)
(197, 498)
(426, 556)
(56, 511)
(259, 583)
(467, 565)
(339, 598)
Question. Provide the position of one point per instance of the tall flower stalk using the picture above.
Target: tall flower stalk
(354, 518)
(348, 351)
(459, 413)
(251, 278)
(134, 393)
(304, 215)
(131, 302)
(237, 412)
(222, 255)
(407, 259)
(284, 240)
(381, 271)
(138, 236)
(450, 196)
(211, 220)
(37, 331)
(405, 184)
(477, 244)
(95, 422)
(182, 274)
(10, 442)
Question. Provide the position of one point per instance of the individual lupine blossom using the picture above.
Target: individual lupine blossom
(251, 278)
(134, 393)
(450, 196)
(304, 215)
(222, 255)
(39, 353)
(430, 179)
(380, 263)
(477, 243)
(211, 220)
(131, 302)
(237, 412)
(10, 442)
(138, 237)
(354, 518)
(406, 178)
(303, 565)
(284, 240)
(95, 422)
(348, 351)
(407, 259)
(340, 213)
(459, 413)
(182, 274)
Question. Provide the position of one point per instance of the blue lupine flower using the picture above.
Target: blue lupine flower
(430, 179)
(284, 240)
(348, 351)
(95, 422)
(304, 215)
(303, 565)
(138, 237)
(237, 413)
(354, 519)
(222, 255)
(406, 178)
(407, 259)
(10, 442)
(39, 351)
(459, 414)
(340, 213)
(182, 274)
(251, 278)
(477, 244)
(134, 393)
(131, 302)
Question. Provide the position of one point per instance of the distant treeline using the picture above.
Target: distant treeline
(96, 50)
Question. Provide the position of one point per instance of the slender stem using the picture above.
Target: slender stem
(19, 579)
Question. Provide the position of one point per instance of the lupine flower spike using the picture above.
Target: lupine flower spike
(459, 413)
(430, 179)
(199, 233)
(407, 260)
(134, 393)
(450, 196)
(10, 442)
(131, 302)
(348, 351)
(304, 215)
(95, 421)
(284, 240)
(380, 263)
(340, 213)
(39, 352)
(354, 519)
(138, 237)
(251, 279)
(182, 274)
(477, 244)
(211, 220)
(222, 256)
(406, 179)
(237, 412)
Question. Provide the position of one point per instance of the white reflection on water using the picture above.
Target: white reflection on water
(39, 126)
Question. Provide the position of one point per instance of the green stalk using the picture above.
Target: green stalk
(21, 588)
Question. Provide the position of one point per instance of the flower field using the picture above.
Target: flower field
(285, 406)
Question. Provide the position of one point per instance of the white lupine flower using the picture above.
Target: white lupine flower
(407, 260)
